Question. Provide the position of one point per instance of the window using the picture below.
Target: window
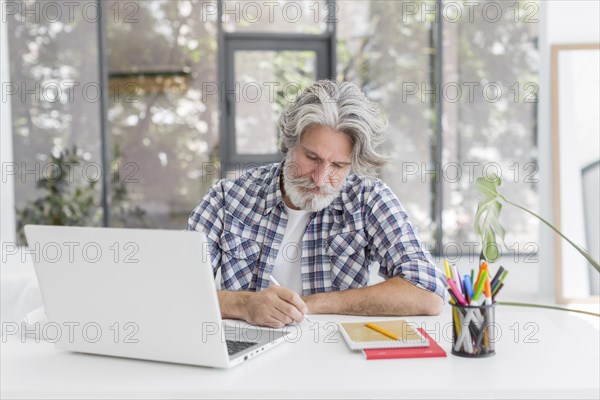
(262, 76)
(163, 128)
(284, 72)
(457, 107)
(195, 89)
(381, 55)
(54, 96)
(271, 51)
(491, 128)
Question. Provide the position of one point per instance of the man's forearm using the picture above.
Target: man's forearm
(392, 297)
(231, 303)
(275, 306)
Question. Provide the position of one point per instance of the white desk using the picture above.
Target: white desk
(555, 356)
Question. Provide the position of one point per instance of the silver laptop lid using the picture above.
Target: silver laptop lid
(136, 293)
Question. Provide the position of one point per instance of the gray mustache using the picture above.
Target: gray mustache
(308, 184)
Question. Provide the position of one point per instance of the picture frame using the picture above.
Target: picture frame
(575, 83)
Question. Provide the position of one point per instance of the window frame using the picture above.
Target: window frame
(266, 42)
(324, 46)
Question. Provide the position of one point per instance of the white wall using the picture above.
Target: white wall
(7, 198)
(563, 22)
(572, 21)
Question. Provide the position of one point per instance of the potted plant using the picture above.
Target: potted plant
(489, 228)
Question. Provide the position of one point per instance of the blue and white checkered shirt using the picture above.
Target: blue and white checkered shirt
(245, 220)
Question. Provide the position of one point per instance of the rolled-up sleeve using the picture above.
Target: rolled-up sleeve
(396, 246)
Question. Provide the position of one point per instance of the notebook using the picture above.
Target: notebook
(359, 337)
(434, 350)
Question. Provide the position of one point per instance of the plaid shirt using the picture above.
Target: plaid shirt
(245, 220)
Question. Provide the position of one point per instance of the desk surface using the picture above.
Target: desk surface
(548, 354)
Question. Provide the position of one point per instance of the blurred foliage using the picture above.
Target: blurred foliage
(123, 211)
(172, 135)
(390, 60)
(70, 201)
(169, 135)
(64, 202)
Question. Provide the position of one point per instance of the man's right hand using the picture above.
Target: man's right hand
(275, 306)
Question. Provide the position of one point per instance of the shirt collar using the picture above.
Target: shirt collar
(348, 201)
(274, 197)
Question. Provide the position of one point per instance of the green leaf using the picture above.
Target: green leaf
(488, 226)
(487, 222)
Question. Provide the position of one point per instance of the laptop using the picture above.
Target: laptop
(137, 293)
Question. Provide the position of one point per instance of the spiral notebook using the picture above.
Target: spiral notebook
(359, 337)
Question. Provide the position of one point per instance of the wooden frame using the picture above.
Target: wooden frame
(572, 280)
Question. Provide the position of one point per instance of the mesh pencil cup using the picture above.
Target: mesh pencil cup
(473, 330)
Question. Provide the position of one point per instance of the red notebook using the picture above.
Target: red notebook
(434, 350)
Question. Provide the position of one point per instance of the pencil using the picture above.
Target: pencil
(382, 331)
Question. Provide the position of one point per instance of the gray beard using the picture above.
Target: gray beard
(298, 191)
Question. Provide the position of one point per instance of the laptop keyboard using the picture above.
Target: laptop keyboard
(234, 347)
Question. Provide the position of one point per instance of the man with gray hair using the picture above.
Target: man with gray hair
(300, 236)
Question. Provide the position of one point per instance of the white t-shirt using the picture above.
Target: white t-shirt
(287, 267)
